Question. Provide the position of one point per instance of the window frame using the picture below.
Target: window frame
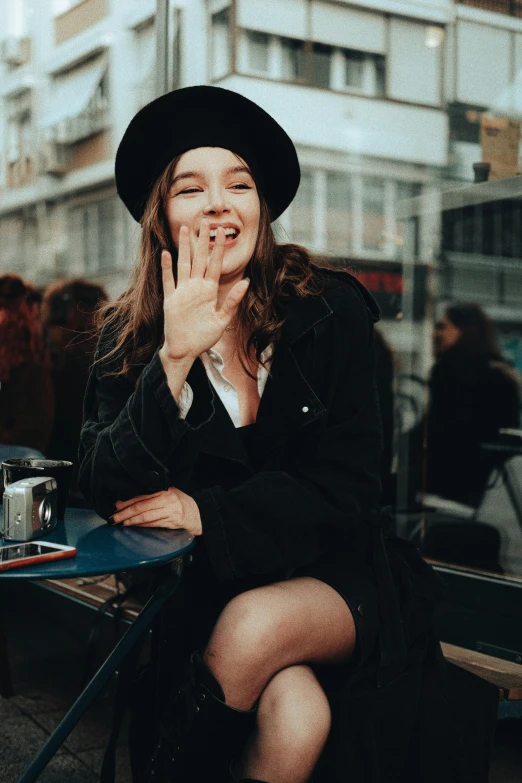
(391, 249)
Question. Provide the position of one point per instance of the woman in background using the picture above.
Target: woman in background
(474, 393)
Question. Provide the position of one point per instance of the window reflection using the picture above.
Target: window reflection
(460, 464)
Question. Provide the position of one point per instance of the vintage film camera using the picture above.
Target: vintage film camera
(29, 508)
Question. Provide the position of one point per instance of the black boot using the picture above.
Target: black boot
(200, 733)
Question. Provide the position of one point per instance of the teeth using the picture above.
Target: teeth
(228, 232)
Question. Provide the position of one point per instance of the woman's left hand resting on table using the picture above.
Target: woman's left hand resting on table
(170, 508)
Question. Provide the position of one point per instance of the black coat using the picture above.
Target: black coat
(306, 498)
(472, 396)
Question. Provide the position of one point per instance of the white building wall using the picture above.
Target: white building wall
(400, 130)
(351, 124)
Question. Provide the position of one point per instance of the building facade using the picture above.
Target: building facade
(381, 98)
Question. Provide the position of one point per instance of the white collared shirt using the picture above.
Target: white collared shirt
(213, 364)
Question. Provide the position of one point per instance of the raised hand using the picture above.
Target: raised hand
(193, 322)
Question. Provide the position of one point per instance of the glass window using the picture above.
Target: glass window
(220, 44)
(475, 283)
(405, 191)
(373, 213)
(19, 126)
(354, 69)
(339, 218)
(107, 233)
(92, 236)
(293, 60)
(379, 63)
(258, 51)
(302, 216)
(321, 65)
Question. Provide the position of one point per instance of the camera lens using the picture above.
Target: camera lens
(45, 511)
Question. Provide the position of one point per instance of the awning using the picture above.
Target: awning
(72, 92)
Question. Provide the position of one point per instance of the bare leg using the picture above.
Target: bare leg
(253, 652)
(270, 628)
(292, 727)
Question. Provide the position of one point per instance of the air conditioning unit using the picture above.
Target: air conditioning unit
(54, 158)
(15, 50)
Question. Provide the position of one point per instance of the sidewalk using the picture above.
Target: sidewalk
(47, 657)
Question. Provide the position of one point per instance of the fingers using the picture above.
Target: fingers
(215, 263)
(184, 263)
(154, 518)
(233, 299)
(164, 523)
(136, 508)
(200, 259)
(167, 275)
(121, 504)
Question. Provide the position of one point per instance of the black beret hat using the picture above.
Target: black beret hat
(205, 116)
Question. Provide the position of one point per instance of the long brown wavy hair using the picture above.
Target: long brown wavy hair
(134, 323)
(20, 330)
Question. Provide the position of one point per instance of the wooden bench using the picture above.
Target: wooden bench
(505, 675)
(94, 593)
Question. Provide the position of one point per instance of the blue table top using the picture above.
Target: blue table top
(104, 549)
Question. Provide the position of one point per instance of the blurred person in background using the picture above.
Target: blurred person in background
(26, 392)
(68, 311)
(474, 392)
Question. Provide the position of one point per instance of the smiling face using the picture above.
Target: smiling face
(214, 184)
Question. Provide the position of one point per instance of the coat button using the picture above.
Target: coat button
(305, 409)
(153, 481)
(360, 609)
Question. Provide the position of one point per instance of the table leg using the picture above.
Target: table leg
(104, 673)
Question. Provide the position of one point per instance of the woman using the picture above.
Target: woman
(233, 395)
(26, 393)
(474, 392)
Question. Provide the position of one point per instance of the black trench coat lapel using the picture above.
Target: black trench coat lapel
(288, 403)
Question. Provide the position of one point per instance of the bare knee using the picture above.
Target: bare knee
(248, 631)
(294, 707)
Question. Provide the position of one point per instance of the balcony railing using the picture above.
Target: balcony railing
(509, 7)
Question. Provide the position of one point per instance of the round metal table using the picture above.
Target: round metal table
(105, 549)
